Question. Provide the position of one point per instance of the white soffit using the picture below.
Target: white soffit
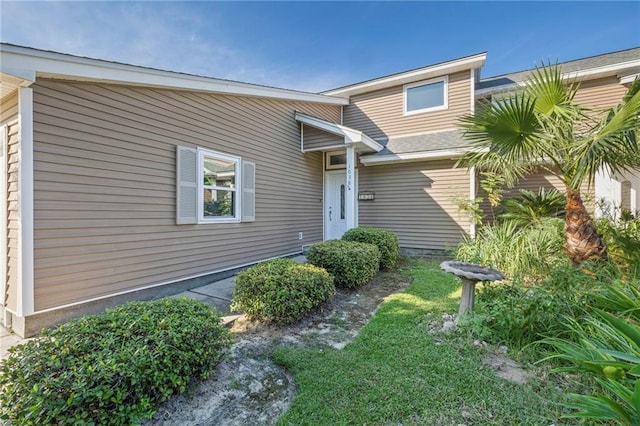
(450, 67)
(47, 64)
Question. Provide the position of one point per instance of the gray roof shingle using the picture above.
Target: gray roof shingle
(449, 139)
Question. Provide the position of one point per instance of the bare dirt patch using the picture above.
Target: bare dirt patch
(248, 388)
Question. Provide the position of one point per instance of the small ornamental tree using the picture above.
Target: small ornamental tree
(542, 126)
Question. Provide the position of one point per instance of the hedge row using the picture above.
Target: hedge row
(282, 290)
(114, 368)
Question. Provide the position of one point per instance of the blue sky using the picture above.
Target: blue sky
(315, 46)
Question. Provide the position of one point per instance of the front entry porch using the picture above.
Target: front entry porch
(340, 146)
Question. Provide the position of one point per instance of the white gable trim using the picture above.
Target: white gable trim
(23, 61)
(475, 61)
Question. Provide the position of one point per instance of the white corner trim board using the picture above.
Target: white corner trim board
(25, 290)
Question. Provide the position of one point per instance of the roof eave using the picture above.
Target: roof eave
(462, 64)
(46, 64)
(449, 154)
(585, 74)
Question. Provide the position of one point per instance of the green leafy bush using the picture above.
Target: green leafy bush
(281, 290)
(622, 236)
(386, 241)
(114, 368)
(351, 263)
(519, 252)
(518, 314)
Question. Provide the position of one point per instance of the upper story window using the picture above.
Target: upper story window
(425, 96)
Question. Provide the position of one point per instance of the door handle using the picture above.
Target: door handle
(330, 214)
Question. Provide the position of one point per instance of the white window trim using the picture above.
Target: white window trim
(444, 79)
(329, 154)
(202, 153)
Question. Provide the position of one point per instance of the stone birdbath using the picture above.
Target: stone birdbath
(470, 274)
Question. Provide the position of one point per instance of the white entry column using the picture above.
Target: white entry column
(352, 191)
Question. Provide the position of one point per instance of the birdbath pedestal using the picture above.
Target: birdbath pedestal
(470, 274)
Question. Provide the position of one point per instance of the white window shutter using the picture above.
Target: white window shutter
(187, 185)
(248, 191)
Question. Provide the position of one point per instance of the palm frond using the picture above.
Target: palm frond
(553, 94)
(504, 136)
(614, 144)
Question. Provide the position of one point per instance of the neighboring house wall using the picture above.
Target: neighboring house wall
(105, 186)
(416, 201)
(600, 93)
(379, 114)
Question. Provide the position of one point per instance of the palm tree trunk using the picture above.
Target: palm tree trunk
(583, 241)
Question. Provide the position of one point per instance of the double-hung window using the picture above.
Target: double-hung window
(219, 174)
(426, 96)
(213, 187)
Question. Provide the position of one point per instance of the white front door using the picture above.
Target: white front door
(335, 223)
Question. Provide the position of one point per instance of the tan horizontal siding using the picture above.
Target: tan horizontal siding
(9, 108)
(105, 186)
(600, 93)
(416, 201)
(316, 138)
(533, 182)
(380, 114)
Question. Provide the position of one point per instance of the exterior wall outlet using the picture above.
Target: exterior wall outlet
(299, 235)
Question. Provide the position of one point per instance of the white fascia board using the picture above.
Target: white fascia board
(60, 66)
(591, 73)
(475, 61)
(413, 156)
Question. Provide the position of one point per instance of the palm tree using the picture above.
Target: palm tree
(541, 126)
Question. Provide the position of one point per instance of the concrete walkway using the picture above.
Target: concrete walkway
(217, 294)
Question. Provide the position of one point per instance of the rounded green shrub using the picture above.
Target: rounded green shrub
(113, 368)
(281, 290)
(351, 263)
(386, 241)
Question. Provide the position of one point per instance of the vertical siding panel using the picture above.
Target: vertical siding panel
(416, 201)
(9, 116)
(105, 185)
(379, 114)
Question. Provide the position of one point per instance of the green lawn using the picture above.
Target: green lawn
(395, 372)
